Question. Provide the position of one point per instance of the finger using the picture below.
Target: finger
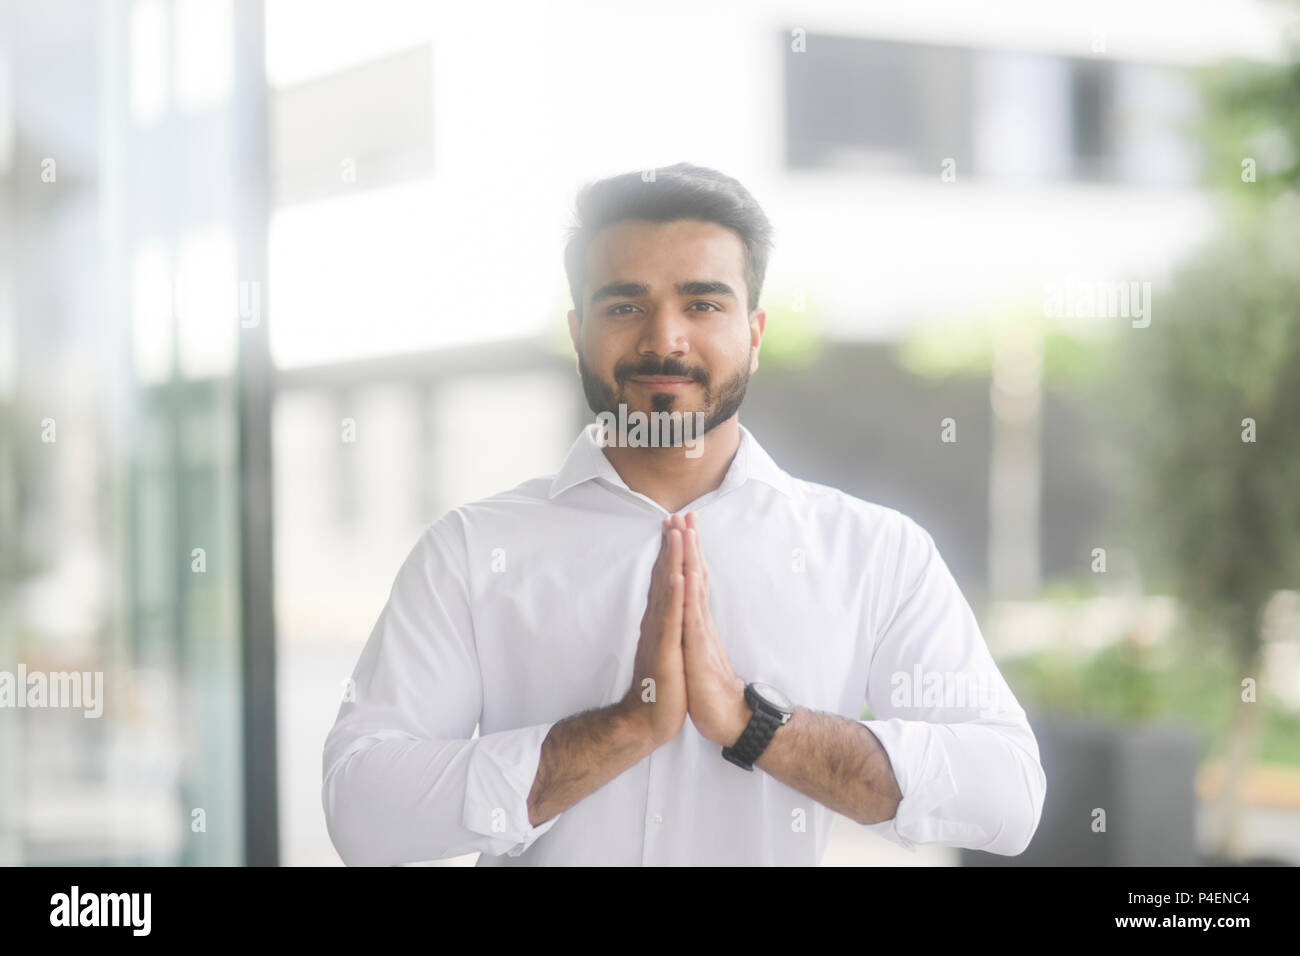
(656, 569)
(692, 629)
(693, 526)
(704, 571)
(673, 619)
(674, 551)
(700, 605)
(699, 552)
(688, 616)
(690, 561)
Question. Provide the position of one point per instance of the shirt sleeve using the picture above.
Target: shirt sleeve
(404, 779)
(959, 743)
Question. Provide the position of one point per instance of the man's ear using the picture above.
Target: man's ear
(757, 326)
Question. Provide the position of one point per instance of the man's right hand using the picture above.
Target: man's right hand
(660, 707)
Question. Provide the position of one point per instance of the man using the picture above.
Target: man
(715, 721)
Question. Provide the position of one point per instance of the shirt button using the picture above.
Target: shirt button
(657, 818)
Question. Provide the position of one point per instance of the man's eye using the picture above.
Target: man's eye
(710, 305)
(625, 305)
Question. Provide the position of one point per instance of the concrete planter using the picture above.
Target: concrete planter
(1142, 775)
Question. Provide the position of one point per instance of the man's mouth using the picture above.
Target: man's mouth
(661, 382)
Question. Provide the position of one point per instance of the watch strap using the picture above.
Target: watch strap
(753, 741)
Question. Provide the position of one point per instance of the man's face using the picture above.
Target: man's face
(667, 300)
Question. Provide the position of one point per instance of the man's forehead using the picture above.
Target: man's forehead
(632, 248)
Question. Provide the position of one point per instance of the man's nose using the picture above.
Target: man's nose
(666, 332)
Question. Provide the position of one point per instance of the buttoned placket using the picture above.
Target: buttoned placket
(653, 824)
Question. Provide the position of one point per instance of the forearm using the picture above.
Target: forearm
(583, 753)
(404, 800)
(837, 762)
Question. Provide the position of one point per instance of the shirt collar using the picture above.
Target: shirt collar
(586, 460)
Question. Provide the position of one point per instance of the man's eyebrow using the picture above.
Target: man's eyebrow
(635, 290)
(705, 287)
(620, 290)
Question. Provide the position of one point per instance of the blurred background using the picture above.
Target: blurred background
(281, 283)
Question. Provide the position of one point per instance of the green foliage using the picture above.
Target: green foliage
(948, 349)
(1125, 683)
(795, 332)
(1251, 115)
(1217, 518)
(964, 348)
(1281, 738)
(1071, 588)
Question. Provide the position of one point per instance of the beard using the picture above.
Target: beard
(719, 404)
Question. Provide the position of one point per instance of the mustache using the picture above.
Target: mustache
(669, 367)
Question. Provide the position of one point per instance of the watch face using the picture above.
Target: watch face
(771, 695)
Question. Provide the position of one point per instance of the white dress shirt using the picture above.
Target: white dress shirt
(519, 610)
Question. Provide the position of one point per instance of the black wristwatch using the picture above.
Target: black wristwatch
(771, 709)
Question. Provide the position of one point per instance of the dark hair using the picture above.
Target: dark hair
(680, 191)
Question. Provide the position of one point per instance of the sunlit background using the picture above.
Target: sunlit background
(281, 283)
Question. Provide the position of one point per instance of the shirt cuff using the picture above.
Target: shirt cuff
(501, 772)
(925, 779)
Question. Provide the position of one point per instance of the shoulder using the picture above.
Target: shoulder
(886, 541)
(503, 510)
(830, 503)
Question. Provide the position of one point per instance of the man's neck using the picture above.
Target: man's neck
(668, 477)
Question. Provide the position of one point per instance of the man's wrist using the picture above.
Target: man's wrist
(743, 715)
(631, 721)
